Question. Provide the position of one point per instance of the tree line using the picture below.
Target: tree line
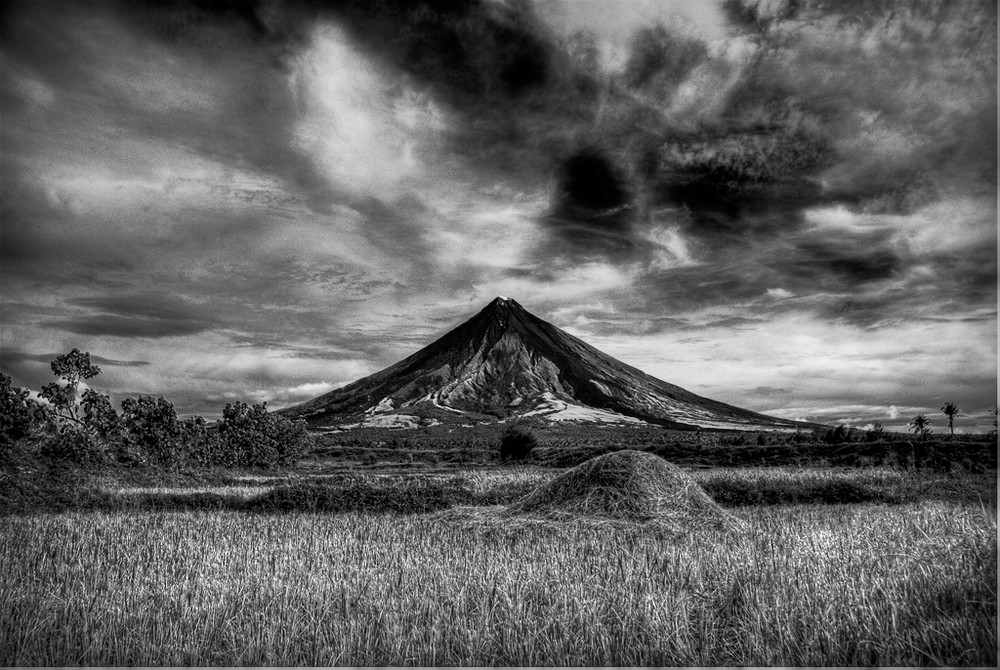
(87, 429)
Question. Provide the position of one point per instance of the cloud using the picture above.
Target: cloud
(11, 357)
(311, 191)
(152, 316)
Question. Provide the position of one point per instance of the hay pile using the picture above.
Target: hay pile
(625, 485)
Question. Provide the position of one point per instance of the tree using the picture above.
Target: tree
(71, 368)
(951, 410)
(919, 425)
(17, 412)
(151, 425)
(250, 435)
(99, 415)
(875, 433)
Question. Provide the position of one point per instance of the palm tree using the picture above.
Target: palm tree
(950, 410)
(919, 425)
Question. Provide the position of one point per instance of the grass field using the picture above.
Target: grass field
(869, 583)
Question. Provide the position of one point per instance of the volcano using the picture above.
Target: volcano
(506, 362)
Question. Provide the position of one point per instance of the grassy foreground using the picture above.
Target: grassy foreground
(868, 584)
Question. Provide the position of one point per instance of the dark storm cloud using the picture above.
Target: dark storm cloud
(592, 209)
(729, 179)
(151, 315)
(523, 96)
(850, 267)
(14, 356)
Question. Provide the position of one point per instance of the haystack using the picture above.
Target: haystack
(625, 485)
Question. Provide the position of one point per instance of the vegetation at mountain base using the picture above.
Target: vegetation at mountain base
(568, 445)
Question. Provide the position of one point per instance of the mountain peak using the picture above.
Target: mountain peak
(502, 306)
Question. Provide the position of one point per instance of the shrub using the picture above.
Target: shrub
(875, 433)
(360, 497)
(151, 426)
(516, 444)
(201, 444)
(17, 413)
(252, 436)
(837, 435)
(736, 492)
(99, 415)
(74, 444)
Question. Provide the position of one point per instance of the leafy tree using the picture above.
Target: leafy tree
(250, 435)
(73, 442)
(838, 435)
(875, 433)
(516, 444)
(951, 410)
(99, 415)
(919, 425)
(72, 368)
(151, 426)
(201, 443)
(18, 413)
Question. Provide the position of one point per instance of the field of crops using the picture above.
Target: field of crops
(803, 584)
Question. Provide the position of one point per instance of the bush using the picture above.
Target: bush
(74, 444)
(201, 444)
(838, 435)
(360, 497)
(151, 427)
(876, 433)
(17, 413)
(99, 415)
(516, 444)
(252, 436)
(733, 492)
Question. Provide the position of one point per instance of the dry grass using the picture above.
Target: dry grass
(803, 585)
(625, 485)
(239, 492)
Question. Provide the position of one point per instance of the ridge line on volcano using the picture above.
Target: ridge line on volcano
(505, 362)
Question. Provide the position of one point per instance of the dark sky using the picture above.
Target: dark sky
(788, 206)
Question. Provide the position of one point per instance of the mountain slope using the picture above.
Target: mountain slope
(507, 362)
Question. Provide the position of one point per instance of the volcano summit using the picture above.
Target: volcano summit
(506, 362)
